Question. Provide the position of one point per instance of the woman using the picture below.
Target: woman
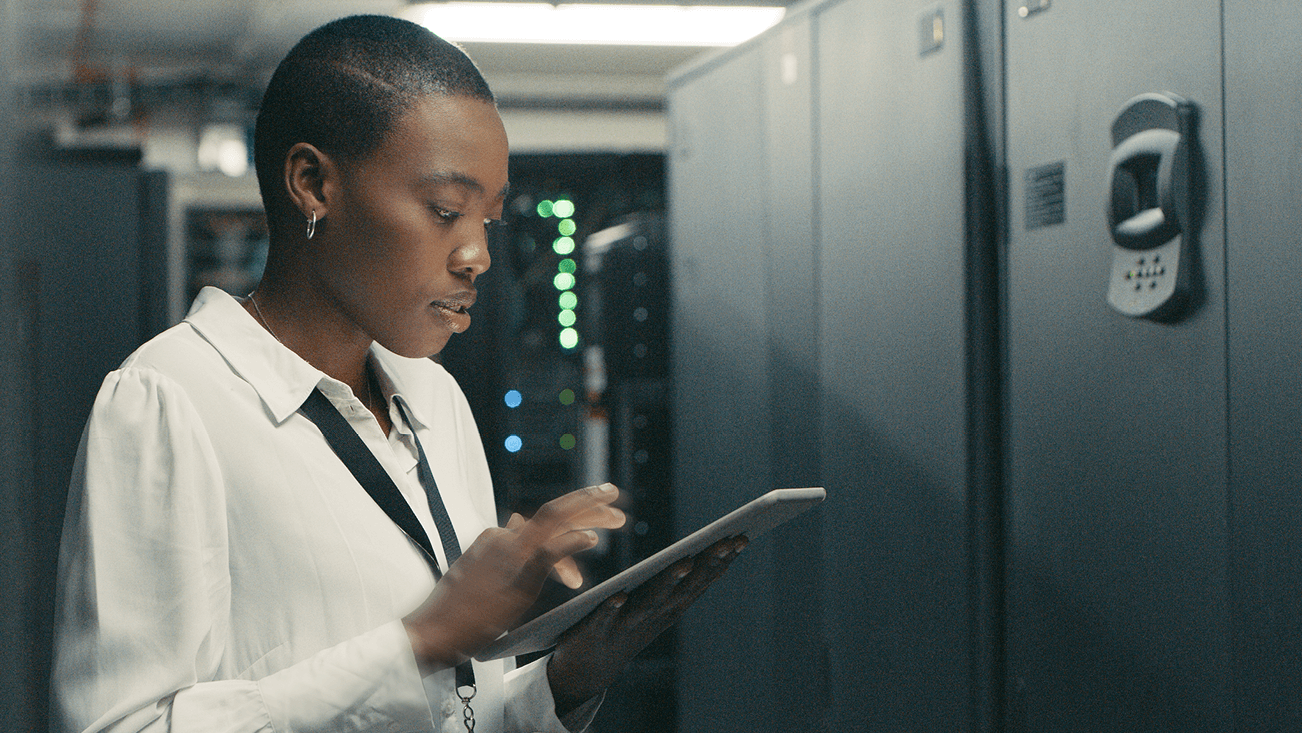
(222, 568)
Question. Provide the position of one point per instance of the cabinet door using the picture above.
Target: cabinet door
(1117, 537)
(892, 352)
(1263, 200)
(798, 678)
(721, 383)
(80, 252)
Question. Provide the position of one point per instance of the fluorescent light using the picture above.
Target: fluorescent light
(634, 25)
(223, 148)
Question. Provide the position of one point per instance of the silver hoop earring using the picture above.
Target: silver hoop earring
(311, 225)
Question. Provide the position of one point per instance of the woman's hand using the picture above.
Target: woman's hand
(498, 577)
(596, 650)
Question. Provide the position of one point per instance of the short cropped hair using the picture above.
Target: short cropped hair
(343, 87)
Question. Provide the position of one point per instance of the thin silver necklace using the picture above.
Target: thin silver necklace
(263, 319)
(370, 397)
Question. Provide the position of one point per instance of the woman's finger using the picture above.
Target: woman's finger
(556, 516)
(604, 617)
(652, 596)
(712, 563)
(561, 547)
(665, 597)
(603, 517)
(567, 571)
(710, 566)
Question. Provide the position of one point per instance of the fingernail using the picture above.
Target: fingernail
(607, 489)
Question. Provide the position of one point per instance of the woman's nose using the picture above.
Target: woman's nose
(471, 259)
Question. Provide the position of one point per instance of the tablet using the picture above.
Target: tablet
(752, 519)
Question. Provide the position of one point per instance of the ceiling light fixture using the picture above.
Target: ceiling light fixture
(615, 24)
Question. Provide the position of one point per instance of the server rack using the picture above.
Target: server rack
(1117, 454)
(820, 338)
(84, 281)
(1117, 546)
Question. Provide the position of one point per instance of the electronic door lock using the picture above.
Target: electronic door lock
(1153, 207)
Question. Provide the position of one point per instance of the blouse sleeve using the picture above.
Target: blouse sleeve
(531, 707)
(142, 617)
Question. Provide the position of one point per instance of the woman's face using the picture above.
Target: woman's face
(405, 234)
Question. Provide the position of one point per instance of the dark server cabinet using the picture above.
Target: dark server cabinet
(85, 286)
(1263, 223)
(1151, 512)
(14, 695)
(1116, 426)
(798, 682)
(819, 252)
(892, 349)
(721, 381)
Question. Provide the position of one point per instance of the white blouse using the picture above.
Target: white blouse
(221, 570)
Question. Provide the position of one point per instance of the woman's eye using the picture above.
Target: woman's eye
(446, 215)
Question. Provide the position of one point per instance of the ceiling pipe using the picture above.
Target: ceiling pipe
(82, 72)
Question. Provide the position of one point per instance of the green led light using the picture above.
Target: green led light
(567, 397)
(545, 209)
(563, 245)
(563, 208)
(567, 265)
(566, 318)
(563, 281)
(569, 301)
(567, 227)
(569, 338)
(567, 441)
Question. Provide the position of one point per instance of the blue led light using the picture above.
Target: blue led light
(513, 398)
(513, 443)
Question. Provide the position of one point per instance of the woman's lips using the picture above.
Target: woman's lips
(453, 311)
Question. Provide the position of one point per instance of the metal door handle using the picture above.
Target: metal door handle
(1141, 209)
(1153, 202)
(1148, 172)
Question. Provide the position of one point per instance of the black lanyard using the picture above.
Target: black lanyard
(366, 468)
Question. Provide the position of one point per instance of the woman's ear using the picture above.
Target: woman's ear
(310, 179)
